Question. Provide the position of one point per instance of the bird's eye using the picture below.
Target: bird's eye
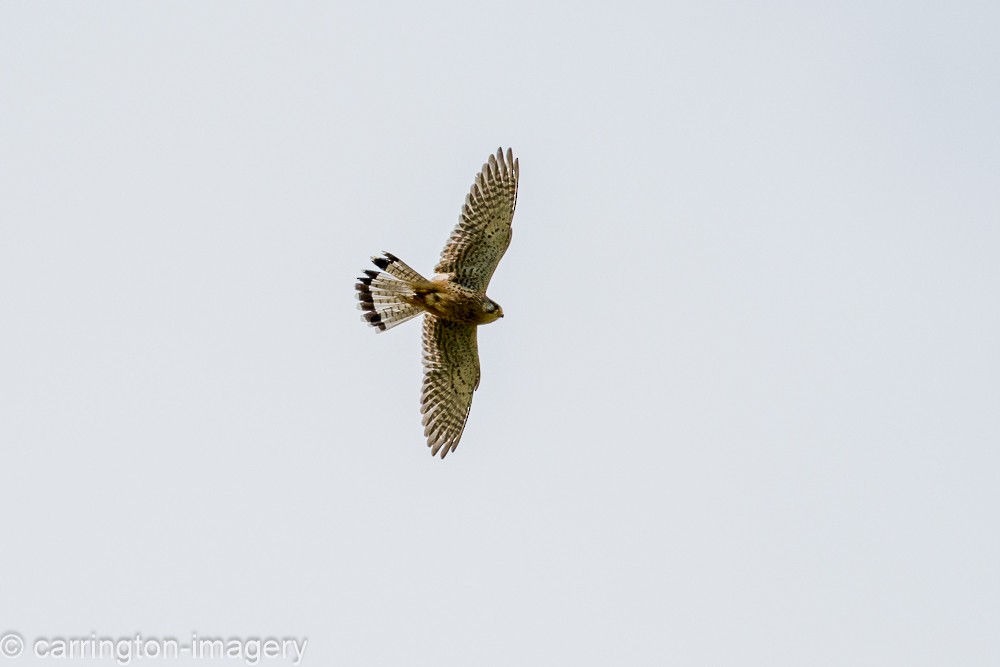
(488, 307)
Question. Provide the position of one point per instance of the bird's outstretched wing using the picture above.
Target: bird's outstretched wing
(451, 375)
(483, 232)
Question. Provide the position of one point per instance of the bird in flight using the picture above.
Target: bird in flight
(454, 301)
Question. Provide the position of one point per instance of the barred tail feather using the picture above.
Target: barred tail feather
(395, 267)
(386, 297)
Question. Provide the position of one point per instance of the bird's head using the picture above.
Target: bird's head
(491, 310)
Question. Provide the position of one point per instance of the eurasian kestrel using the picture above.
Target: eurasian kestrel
(454, 301)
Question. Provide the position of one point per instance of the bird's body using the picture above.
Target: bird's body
(456, 303)
(454, 300)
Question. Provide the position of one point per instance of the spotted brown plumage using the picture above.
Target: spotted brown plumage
(483, 231)
(451, 375)
(454, 301)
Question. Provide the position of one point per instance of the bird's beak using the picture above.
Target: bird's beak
(501, 312)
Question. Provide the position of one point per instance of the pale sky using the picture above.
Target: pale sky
(742, 409)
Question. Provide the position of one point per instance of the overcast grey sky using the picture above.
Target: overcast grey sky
(742, 409)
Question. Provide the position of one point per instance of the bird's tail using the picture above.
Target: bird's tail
(388, 297)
